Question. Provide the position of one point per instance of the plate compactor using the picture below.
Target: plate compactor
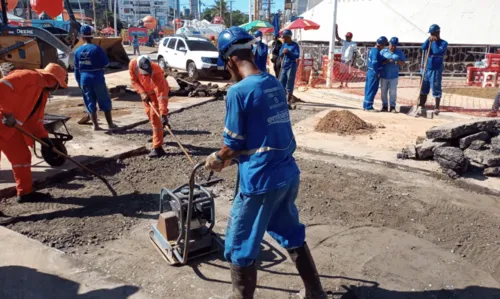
(184, 227)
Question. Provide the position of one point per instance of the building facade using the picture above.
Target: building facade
(194, 6)
(131, 11)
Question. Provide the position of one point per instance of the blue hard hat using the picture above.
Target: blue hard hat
(382, 41)
(395, 41)
(287, 32)
(258, 33)
(86, 30)
(228, 38)
(434, 28)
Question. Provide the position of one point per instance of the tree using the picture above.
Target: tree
(102, 23)
(238, 17)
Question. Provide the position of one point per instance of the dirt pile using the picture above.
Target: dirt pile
(344, 123)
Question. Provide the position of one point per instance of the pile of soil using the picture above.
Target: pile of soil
(344, 123)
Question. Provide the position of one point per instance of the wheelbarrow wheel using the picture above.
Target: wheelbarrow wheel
(52, 158)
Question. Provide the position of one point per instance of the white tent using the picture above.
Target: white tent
(461, 21)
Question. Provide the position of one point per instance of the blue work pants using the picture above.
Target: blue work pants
(433, 78)
(389, 87)
(496, 102)
(252, 215)
(96, 93)
(287, 78)
(371, 89)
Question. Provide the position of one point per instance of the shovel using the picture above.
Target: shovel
(55, 150)
(415, 110)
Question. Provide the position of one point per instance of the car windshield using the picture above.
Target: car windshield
(197, 45)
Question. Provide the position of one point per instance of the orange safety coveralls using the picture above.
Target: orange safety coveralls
(22, 96)
(156, 87)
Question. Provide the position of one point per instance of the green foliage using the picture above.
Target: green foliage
(209, 13)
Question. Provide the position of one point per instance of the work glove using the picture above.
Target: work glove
(164, 121)
(215, 163)
(145, 97)
(9, 120)
(433, 38)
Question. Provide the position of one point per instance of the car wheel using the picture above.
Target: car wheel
(192, 71)
(162, 63)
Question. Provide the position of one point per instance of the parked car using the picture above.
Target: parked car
(195, 55)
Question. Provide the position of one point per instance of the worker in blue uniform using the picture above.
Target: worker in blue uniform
(258, 133)
(375, 63)
(260, 51)
(90, 61)
(433, 76)
(289, 53)
(389, 76)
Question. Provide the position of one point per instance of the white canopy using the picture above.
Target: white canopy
(461, 21)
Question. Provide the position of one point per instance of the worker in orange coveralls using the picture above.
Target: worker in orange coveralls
(149, 82)
(23, 98)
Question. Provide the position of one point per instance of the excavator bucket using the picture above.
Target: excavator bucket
(113, 48)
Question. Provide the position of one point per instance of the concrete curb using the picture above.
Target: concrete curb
(458, 182)
(98, 161)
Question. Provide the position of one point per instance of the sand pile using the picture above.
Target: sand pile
(344, 123)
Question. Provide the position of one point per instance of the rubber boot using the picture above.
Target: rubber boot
(436, 106)
(95, 124)
(32, 197)
(157, 153)
(244, 280)
(291, 106)
(304, 263)
(109, 120)
(423, 100)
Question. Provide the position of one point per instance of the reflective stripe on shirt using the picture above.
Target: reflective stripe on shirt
(233, 135)
(266, 149)
(20, 165)
(4, 81)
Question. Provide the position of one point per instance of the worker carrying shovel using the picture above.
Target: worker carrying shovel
(433, 75)
(259, 133)
(149, 82)
(24, 96)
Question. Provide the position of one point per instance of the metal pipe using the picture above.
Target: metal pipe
(114, 19)
(331, 50)
(5, 21)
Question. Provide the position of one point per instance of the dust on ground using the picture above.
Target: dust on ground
(111, 234)
(476, 92)
(343, 122)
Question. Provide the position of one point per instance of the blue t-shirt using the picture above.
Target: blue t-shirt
(90, 61)
(258, 123)
(375, 60)
(391, 70)
(135, 42)
(292, 55)
(260, 53)
(436, 56)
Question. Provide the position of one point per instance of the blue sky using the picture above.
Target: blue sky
(242, 5)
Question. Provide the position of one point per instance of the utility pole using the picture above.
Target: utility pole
(114, 19)
(256, 8)
(95, 17)
(231, 13)
(331, 50)
(29, 9)
(220, 8)
(249, 11)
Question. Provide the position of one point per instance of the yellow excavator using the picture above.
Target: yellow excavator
(31, 47)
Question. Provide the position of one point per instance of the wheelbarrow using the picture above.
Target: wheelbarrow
(59, 134)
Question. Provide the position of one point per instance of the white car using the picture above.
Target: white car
(195, 55)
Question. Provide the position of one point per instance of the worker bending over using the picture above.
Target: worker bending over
(149, 82)
(289, 52)
(375, 63)
(258, 132)
(90, 61)
(260, 50)
(435, 65)
(24, 96)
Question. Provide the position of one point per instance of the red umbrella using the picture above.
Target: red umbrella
(301, 24)
(266, 30)
(108, 30)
